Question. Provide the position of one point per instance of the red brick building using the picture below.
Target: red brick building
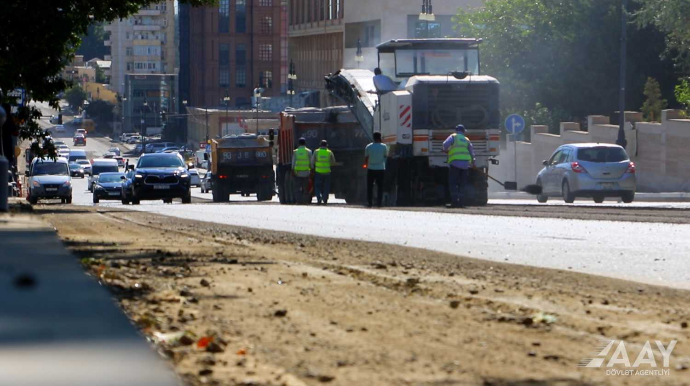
(231, 48)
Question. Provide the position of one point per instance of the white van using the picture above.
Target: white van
(75, 155)
(101, 165)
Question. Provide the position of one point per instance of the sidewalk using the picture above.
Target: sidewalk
(58, 327)
(639, 197)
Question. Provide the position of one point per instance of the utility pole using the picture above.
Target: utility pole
(624, 48)
(207, 125)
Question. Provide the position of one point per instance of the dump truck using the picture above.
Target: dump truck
(242, 164)
(440, 86)
(346, 138)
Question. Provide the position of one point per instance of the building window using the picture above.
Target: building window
(322, 10)
(266, 24)
(224, 16)
(266, 79)
(241, 16)
(266, 3)
(129, 51)
(425, 29)
(130, 66)
(266, 52)
(241, 53)
(224, 65)
(240, 76)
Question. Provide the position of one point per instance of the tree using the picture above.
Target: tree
(654, 104)
(75, 96)
(671, 17)
(100, 74)
(100, 111)
(32, 58)
(683, 95)
(92, 43)
(562, 55)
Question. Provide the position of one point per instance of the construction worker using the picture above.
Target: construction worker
(460, 160)
(321, 161)
(383, 83)
(301, 170)
(375, 156)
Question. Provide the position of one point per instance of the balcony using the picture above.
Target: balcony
(146, 27)
(144, 42)
(149, 12)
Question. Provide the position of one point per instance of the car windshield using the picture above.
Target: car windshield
(601, 154)
(160, 162)
(106, 178)
(74, 166)
(96, 170)
(50, 168)
(435, 61)
(83, 162)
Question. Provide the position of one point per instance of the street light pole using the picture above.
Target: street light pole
(292, 76)
(226, 100)
(621, 141)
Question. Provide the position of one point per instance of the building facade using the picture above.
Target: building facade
(142, 44)
(145, 98)
(229, 49)
(323, 34)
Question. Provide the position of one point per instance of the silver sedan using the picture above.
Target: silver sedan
(588, 170)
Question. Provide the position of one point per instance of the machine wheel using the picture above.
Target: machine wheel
(628, 197)
(568, 196)
(542, 198)
(33, 200)
(598, 199)
(286, 190)
(265, 192)
(125, 202)
(219, 194)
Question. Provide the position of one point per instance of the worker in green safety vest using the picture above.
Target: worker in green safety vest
(460, 160)
(301, 170)
(321, 161)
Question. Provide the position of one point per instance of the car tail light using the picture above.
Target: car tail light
(223, 177)
(577, 168)
(631, 168)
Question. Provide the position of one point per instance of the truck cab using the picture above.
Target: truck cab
(242, 164)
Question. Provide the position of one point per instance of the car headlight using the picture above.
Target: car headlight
(184, 175)
(67, 183)
(138, 176)
(98, 187)
(36, 183)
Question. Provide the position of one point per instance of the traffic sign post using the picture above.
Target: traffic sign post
(514, 125)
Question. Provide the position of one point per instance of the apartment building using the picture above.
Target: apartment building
(144, 43)
(229, 49)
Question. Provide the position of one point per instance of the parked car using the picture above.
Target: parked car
(126, 136)
(85, 164)
(76, 170)
(127, 187)
(207, 183)
(161, 176)
(99, 166)
(54, 119)
(588, 170)
(76, 155)
(12, 187)
(77, 120)
(49, 179)
(79, 140)
(58, 129)
(115, 150)
(108, 155)
(134, 139)
(108, 187)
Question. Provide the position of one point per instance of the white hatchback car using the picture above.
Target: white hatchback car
(593, 170)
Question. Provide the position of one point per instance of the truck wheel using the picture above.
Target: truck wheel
(219, 194)
(33, 200)
(265, 192)
(186, 199)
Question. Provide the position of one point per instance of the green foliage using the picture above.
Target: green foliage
(100, 75)
(75, 96)
(655, 103)
(671, 17)
(38, 40)
(92, 43)
(683, 95)
(563, 55)
(101, 111)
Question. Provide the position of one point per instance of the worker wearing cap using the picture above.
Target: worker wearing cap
(375, 155)
(301, 170)
(460, 160)
(321, 161)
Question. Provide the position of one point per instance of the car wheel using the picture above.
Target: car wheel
(125, 202)
(62, 200)
(628, 197)
(542, 198)
(95, 199)
(33, 200)
(568, 196)
(202, 190)
(187, 199)
(598, 199)
(69, 200)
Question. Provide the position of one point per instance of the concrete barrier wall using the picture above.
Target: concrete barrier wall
(661, 151)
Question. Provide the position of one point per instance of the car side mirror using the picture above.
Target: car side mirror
(545, 163)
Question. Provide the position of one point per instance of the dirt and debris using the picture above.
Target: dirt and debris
(233, 306)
